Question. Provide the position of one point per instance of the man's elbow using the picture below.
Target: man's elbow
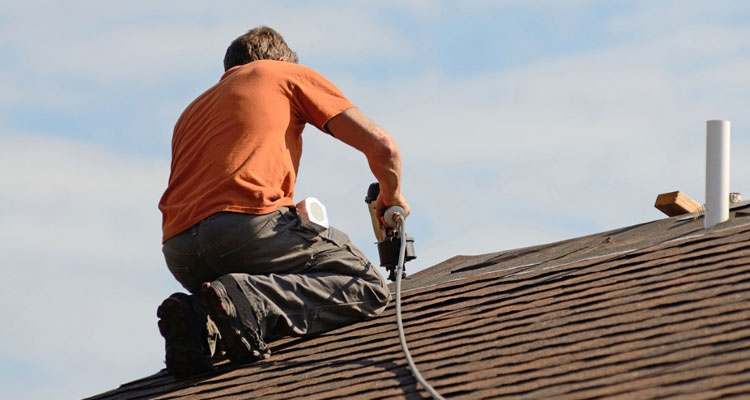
(386, 151)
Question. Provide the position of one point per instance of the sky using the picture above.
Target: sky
(520, 122)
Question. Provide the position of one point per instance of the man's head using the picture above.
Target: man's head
(261, 43)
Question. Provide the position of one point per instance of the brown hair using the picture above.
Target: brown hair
(261, 43)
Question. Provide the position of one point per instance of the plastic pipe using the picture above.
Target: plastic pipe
(717, 172)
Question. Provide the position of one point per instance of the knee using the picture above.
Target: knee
(380, 296)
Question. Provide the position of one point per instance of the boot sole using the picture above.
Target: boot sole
(182, 357)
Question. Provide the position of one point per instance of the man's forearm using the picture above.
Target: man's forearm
(354, 128)
(385, 164)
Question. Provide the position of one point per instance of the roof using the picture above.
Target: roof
(660, 309)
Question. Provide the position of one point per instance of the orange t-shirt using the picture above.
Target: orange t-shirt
(237, 146)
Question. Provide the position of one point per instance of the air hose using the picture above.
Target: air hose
(399, 219)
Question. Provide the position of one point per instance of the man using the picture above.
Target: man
(256, 271)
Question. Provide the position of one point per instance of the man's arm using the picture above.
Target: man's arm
(354, 128)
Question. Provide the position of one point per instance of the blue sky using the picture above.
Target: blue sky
(521, 122)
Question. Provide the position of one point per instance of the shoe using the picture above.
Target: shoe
(183, 329)
(237, 324)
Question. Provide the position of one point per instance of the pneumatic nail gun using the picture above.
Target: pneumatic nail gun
(389, 242)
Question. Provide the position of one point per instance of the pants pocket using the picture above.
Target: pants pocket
(185, 276)
(274, 249)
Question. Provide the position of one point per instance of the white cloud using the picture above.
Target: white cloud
(81, 253)
(111, 42)
(651, 19)
(101, 199)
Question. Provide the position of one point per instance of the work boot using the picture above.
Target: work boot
(233, 315)
(183, 325)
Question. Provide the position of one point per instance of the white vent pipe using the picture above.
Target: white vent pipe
(717, 172)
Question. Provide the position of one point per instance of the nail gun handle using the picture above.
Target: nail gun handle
(372, 196)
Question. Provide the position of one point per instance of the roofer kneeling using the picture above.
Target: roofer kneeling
(256, 271)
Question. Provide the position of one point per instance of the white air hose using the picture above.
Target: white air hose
(398, 219)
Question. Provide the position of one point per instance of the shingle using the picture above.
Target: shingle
(656, 310)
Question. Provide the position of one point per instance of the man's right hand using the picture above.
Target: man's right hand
(382, 204)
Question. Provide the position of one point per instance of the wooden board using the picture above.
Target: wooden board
(676, 203)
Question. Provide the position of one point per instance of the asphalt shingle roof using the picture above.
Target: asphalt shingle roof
(657, 310)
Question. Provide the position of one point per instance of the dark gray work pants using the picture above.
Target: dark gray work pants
(298, 279)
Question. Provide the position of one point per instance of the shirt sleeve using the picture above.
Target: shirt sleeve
(317, 100)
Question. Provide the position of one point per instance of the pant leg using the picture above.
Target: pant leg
(298, 279)
(339, 286)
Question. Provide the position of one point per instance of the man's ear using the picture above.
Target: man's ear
(281, 58)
